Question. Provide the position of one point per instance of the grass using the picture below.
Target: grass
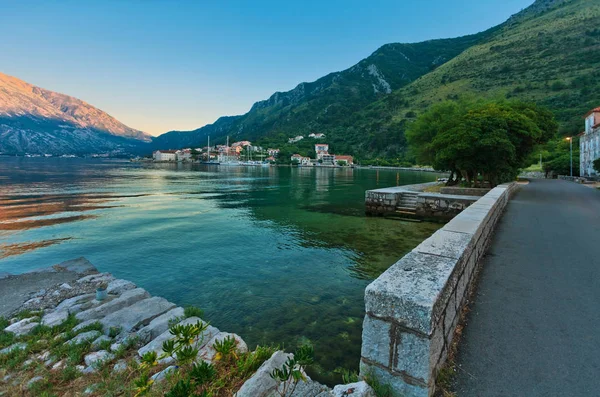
(192, 311)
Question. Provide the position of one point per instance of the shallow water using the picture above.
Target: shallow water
(277, 255)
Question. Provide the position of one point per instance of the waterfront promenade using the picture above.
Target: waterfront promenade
(533, 326)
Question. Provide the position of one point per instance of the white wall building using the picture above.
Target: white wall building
(165, 155)
(589, 144)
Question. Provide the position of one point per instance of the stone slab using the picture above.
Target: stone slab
(128, 298)
(138, 314)
(261, 384)
(446, 243)
(159, 325)
(409, 289)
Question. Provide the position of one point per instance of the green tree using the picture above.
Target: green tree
(472, 139)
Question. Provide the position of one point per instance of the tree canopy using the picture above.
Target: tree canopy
(489, 139)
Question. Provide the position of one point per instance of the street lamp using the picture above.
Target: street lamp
(570, 139)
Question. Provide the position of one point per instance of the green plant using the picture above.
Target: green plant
(202, 372)
(381, 390)
(225, 348)
(192, 311)
(183, 346)
(347, 375)
(292, 371)
(114, 331)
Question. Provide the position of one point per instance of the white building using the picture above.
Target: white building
(589, 144)
(184, 155)
(321, 149)
(295, 139)
(317, 136)
(165, 155)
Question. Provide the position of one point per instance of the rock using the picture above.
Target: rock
(6, 378)
(159, 325)
(128, 298)
(119, 286)
(22, 327)
(79, 265)
(261, 384)
(115, 346)
(43, 356)
(80, 368)
(65, 286)
(55, 318)
(101, 356)
(71, 304)
(120, 366)
(88, 370)
(139, 313)
(156, 344)
(61, 336)
(27, 363)
(39, 294)
(310, 388)
(160, 376)
(49, 362)
(34, 380)
(96, 344)
(96, 278)
(207, 353)
(14, 346)
(33, 301)
(83, 337)
(358, 389)
(58, 365)
(84, 324)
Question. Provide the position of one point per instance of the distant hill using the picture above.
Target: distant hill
(548, 53)
(326, 103)
(35, 120)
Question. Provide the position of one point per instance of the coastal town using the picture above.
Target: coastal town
(245, 153)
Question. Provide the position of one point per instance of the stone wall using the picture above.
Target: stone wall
(440, 207)
(413, 308)
(464, 191)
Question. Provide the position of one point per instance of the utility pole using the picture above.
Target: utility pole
(570, 139)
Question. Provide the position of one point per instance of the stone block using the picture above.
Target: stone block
(128, 298)
(159, 325)
(411, 355)
(138, 314)
(376, 340)
(79, 265)
(156, 344)
(95, 358)
(400, 388)
(446, 243)
(54, 318)
(23, 327)
(119, 286)
(261, 384)
(208, 352)
(409, 289)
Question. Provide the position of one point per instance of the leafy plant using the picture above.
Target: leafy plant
(202, 372)
(347, 375)
(225, 348)
(292, 371)
(192, 311)
(183, 346)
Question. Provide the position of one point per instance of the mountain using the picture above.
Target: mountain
(35, 120)
(326, 102)
(548, 53)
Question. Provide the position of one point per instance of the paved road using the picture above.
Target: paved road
(534, 327)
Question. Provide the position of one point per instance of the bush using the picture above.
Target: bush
(192, 311)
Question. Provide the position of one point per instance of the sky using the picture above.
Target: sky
(165, 65)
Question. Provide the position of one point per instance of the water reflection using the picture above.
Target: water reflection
(277, 255)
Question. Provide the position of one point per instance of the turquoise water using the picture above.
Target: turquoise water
(277, 255)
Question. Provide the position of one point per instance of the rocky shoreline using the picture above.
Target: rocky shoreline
(129, 317)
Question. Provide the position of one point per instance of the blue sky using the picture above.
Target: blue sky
(165, 65)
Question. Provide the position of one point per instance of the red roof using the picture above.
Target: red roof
(341, 157)
(167, 151)
(595, 110)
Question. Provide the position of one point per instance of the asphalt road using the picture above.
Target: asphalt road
(534, 327)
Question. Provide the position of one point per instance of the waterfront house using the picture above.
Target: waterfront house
(296, 157)
(165, 155)
(305, 161)
(295, 139)
(241, 144)
(589, 143)
(270, 159)
(273, 152)
(183, 155)
(322, 149)
(346, 160)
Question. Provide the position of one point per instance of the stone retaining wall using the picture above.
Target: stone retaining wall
(464, 191)
(413, 308)
(442, 207)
